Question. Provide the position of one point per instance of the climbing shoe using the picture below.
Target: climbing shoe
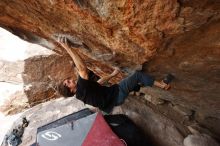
(168, 78)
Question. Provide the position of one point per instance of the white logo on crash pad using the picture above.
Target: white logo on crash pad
(50, 135)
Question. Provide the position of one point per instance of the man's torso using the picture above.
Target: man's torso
(92, 93)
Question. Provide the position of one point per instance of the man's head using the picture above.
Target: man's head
(67, 87)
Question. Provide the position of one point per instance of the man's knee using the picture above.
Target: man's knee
(135, 73)
(138, 73)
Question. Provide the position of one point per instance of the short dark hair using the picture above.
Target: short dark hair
(64, 90)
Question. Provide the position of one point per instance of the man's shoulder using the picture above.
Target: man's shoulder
(82, 82)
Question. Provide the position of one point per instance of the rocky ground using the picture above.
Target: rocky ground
(159, 128)
(164, 122)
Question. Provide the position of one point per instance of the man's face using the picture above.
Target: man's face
(70, 83)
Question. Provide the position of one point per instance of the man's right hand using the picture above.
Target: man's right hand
(63, 42)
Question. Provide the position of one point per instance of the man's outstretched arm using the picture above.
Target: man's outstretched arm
(80, 64)
(107, 78)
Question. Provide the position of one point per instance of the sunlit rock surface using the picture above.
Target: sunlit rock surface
(13, 53)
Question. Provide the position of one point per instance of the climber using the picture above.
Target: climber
(95, 93)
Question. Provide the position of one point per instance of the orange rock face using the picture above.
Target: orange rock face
(124, 33)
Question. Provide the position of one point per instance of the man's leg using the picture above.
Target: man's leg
(131, 82)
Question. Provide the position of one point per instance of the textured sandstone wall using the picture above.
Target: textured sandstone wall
(121, 32)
